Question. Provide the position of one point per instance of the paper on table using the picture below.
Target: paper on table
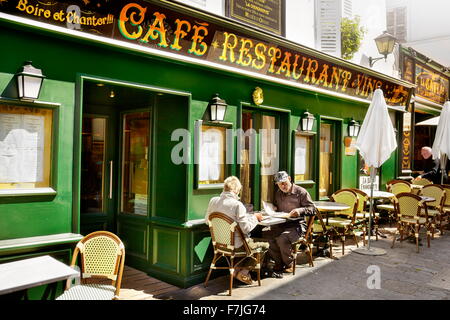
(269, 209)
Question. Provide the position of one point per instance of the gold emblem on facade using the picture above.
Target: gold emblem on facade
(258, 96)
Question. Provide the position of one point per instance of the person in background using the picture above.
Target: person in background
(296, 201)
(228, 203)
(431, 167)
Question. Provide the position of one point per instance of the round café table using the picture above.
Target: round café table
(380, 194)
(427, 199)
(330, 206)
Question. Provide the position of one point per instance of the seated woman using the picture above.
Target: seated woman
(228, 203)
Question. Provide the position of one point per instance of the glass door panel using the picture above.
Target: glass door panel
(247, 169)
(135, 165)
(326, 160)
(93, 165)
(269, 138)
(261, 137)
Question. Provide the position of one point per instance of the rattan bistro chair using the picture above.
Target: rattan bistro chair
(435, 208)
(446, 203)
(412, 215)
(421, 182)
(398, 186)
(395, 187)
(346, 225)
(222, 230)
(102, 258)
(305, 242)
(362, 215)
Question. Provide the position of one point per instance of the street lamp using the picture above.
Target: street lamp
(217, 108)
(29, 81)
(385, 45)
(307, 121)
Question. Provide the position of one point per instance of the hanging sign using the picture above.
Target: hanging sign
(431, 85)
(265, 14)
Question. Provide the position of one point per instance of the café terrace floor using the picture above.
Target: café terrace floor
(405, 274)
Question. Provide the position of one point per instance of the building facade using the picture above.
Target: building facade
(123, 135)
(431, 92)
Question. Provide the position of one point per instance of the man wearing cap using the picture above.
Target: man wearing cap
(296, 201)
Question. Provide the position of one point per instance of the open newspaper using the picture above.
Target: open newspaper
(269, 209)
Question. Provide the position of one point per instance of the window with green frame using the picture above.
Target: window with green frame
(25, 147)
(211, 149)
(303, 152)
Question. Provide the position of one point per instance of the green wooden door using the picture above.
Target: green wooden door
(98, 171)
(329, 158)
(115, 150)
(115, 167)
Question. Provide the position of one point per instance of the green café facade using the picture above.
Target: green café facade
(124, 136)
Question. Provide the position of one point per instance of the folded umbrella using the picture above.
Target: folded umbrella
(429, 122)
(441, 144)
(376, 142)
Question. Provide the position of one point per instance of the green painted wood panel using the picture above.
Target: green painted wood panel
(29, 216)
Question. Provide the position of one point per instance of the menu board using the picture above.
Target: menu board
(300, 154)
(212, 155)
(21, 148)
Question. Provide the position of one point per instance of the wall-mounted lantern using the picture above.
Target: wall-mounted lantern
(307, 122)
(217, 108)
(29, 81)
(353, 128)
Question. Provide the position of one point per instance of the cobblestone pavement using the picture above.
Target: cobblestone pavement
(404, 274)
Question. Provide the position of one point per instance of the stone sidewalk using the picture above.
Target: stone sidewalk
(403, 275)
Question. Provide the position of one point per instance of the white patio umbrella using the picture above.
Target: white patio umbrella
(441, 144)
(429, 122)
(376, 141)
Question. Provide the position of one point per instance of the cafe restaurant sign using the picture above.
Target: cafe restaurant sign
(149, 25)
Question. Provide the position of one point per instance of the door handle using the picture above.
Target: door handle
(110, 179)
(331, 178)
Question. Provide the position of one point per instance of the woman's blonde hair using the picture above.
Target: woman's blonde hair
(232, 183)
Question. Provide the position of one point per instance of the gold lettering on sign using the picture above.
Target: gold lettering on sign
(406, 143)
(157, 30)
(260, 50)
(200, 32)
(275, 54)
(179, 33)
(228, 47)
(245, 51)
(124, 19)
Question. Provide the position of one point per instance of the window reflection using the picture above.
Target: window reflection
(93, 164)
(135, 155)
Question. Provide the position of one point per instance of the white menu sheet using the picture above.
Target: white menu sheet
(21, 148)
